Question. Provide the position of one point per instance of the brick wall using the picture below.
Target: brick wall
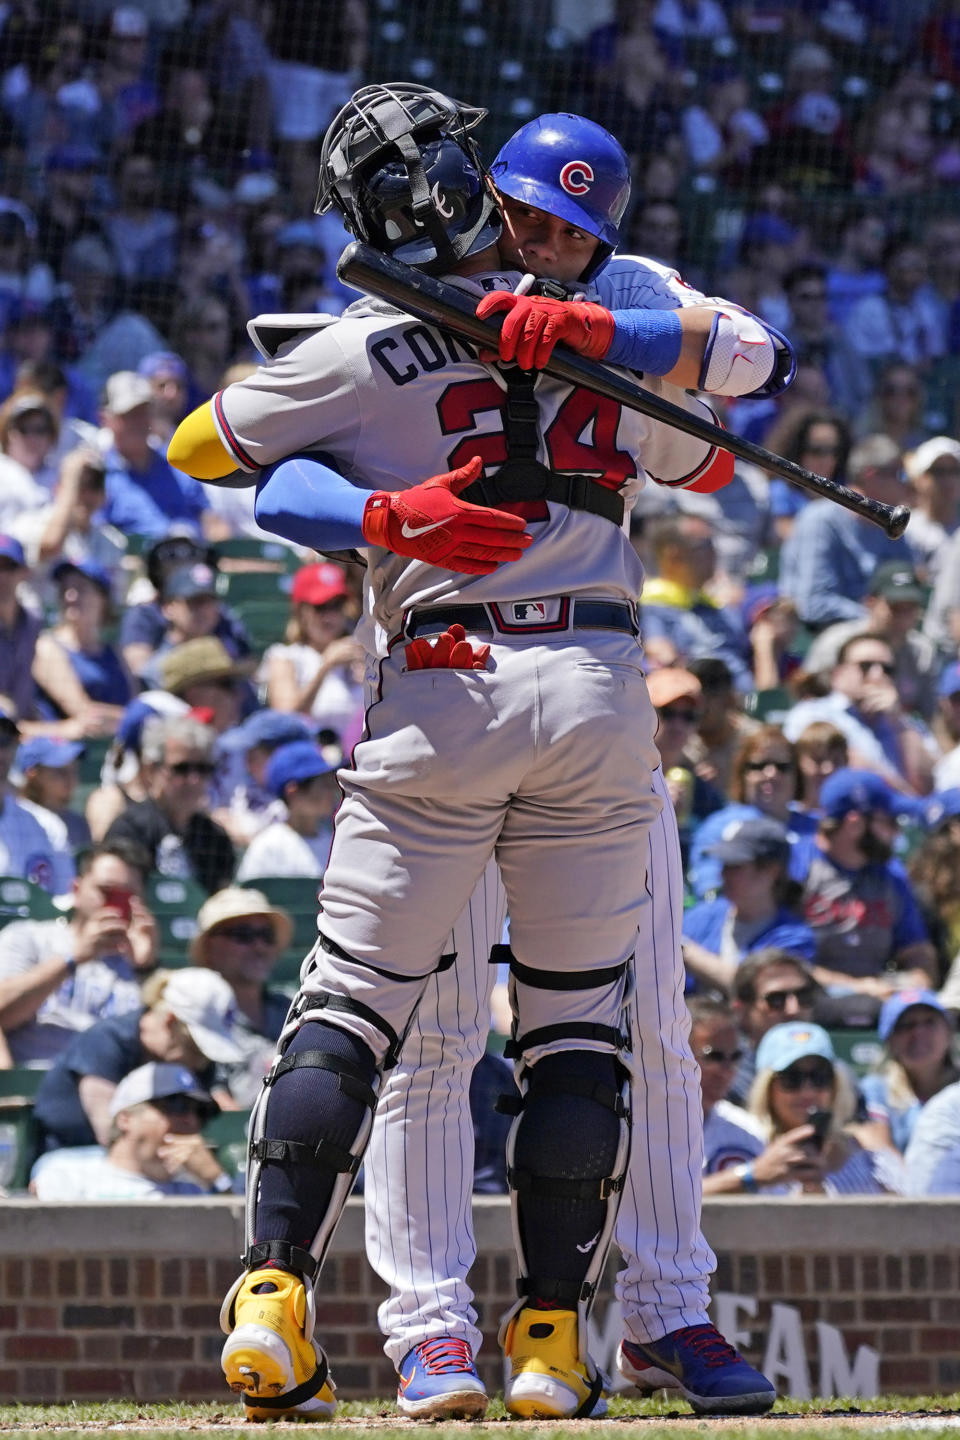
(110, 1302)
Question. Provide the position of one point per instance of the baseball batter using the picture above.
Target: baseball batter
(530, 741)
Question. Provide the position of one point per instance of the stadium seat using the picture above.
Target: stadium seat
(174, 903)
(265, 620)
(299, 898)
(247, 547)
(770, 706)
(90, 763)
(22, 900)
(862, 1050)
(18, 1133)
(226, 1134)
(239, 587)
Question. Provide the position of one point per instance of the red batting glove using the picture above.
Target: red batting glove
(534, 325)
(428, 522)
(451, 650)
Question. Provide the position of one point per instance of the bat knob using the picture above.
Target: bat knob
(897, 521)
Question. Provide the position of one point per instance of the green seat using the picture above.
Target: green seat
(247, 547)
(862, 1050)
(174, 903)
(291, 892)
(241, 587)
(770, 706)
(298, 896)
(90, 763)
(265, 620)
(18, 1131)
(22, 900)
(764, 568)
(226, 1134)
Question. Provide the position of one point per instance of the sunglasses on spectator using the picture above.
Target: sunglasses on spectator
(179, 1105)
(673, 712)
(247, 934)
(782, 767)
(192, 767)
(777, 999)
(820, 1077)
(720, 1057)
(865, 666)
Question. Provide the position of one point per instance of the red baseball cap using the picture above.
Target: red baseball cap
(318, 584)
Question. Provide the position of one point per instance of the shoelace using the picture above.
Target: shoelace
(445, 1355)
(708, 1345)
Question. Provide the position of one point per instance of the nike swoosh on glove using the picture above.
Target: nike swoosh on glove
(428, 522)
(451, 650)
(533, 325)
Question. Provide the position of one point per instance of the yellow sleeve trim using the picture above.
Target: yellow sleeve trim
(196, 447)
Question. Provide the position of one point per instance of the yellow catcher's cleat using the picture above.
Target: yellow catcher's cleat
(548, 1380)
(270, 1357)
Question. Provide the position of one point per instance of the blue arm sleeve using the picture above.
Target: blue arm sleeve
(304, 500)
(647, 340)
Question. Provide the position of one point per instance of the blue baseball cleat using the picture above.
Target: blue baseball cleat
(698, 1362)
(439, 1381)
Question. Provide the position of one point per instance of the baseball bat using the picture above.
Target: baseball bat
(438, 303)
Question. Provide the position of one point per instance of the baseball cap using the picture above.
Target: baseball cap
(45, 750)
(206, 658)
(236, 902)
(89, 568)
(11, 549)
(297, 762)
(747, 841)
(189, 581)
(902, 1000)
(151, 702)
(266, 727)
(318, 584)
(30, 402)
(669, 684)
(164, 362)
(947, 685)
(847, 789)
(124, 391)
(204, 1002)
(896, 581)
(783, 1045)
(939, 447)
(155, 1081)
(757, 600)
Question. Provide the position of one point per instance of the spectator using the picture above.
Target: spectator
(58, 977)
(756, 909)
(144, 492)
(122, 780)
(902, 323)
(918, 1035)
(317, 671)
(854, 273)
(723, 726)
(22, 276)
(893, 604)
(934, 868)
(244, 803)
(167, 374)
(740, 524)
(149, 626)
(25, 850)
(934, 472)
(205, 674)
(71, 526)
(191, 610)
(819, 440)
(67, 208)
(28, 434)
(154, 1147)
(675, 695)
(19, 629)
(932, 1161)
(188, 1017)
(946, 773)
(172, 823)
(143, 236)
(721, 134)
(674, 604)
(124, 77)
(864, 705)
(897, 407)
(49, 770)
(241, 936)
(820, 749)
(797, 1076)
(770, 986)
(819, 342)
(770, 621)
(202, 333)
(78, 674)
(86, 299)
(298, 775)
(765, 783)
(69, 397)
(831, 552)
(730, 1136)
(870, 935)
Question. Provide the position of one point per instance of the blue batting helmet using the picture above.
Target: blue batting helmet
(571, 167)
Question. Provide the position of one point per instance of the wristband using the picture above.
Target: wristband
(222, 1184)
(748, 1181)
(647, 340)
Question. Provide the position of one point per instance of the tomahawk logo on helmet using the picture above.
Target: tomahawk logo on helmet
(571, 167)
(400, 166)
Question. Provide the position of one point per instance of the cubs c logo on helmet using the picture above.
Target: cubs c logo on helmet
(576, 177)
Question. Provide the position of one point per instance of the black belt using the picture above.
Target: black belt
(489, 619)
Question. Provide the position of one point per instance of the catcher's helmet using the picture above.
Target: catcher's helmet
(399, 165)
(571, 167)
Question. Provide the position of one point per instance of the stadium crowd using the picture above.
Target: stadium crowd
(177, 688)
